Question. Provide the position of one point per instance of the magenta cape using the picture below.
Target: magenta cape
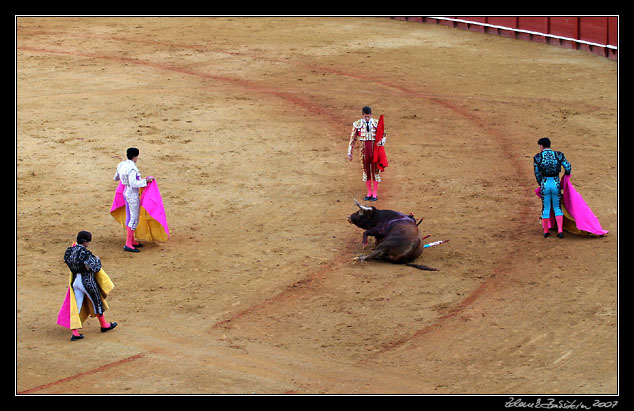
(152, 220)
(578, 217)
(63, 317)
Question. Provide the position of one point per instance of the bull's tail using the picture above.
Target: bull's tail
(421, 267)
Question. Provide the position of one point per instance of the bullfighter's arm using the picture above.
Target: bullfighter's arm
(93, 263)
(353, 140)
(132, 180)
(566, 165)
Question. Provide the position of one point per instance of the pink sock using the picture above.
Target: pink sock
(76, 333)
(560, 223)
(368, 184)
(102, 321)
(129, 237)
(376, 188)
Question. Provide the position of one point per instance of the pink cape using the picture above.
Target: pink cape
(152, 219)
(581, 218)
(63, 318)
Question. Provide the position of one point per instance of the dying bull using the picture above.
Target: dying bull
(397, 237)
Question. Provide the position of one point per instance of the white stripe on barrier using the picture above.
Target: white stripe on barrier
(525, 31)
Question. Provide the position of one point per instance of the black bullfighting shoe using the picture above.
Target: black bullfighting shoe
(76, 337)
(130, 250)
(112, 325)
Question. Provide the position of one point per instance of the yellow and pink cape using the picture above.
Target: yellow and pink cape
(578, 217)
(152, 220)
(72, 317)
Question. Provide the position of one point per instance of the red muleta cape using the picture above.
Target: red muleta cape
(379, 158)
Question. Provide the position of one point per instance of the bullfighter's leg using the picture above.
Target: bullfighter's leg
(370, 176)
(372, 183)
(132, 208)
(551, 194)
(93, 291)
(80, 291)
(376, 176)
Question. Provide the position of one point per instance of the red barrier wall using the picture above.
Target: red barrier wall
(598, 35)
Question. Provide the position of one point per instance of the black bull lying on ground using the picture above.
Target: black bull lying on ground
(397, 237)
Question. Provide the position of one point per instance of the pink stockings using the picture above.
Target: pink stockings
(129, 242)
(102, 321)
(372, 192)
(560, 224)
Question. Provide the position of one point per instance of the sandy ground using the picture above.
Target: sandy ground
(244, 122)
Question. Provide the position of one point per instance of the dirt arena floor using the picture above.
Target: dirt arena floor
(245, 122)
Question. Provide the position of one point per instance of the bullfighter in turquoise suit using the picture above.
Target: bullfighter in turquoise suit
(547, 164)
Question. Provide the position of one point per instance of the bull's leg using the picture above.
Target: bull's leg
(376, 254)
(365, 238)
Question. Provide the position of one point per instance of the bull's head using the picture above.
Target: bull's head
(362, 217)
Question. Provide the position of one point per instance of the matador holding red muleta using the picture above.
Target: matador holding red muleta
(370, 132)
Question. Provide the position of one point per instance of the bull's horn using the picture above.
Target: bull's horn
(362, 206)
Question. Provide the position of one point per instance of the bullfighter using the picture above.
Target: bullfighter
(88, 288)
(365, 130)
(547, 164)
(130, 177)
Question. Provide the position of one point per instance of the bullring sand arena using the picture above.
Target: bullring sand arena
(244, 122)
